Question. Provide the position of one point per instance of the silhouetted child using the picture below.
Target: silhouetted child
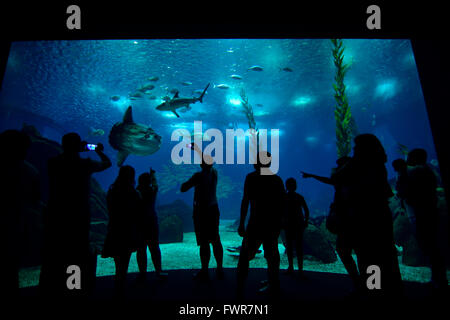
(148, 189)
(421, 201)
(295, 222)
(206, 214)
(122, 237)
(265, 195)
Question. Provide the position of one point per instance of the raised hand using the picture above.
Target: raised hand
(306, 175)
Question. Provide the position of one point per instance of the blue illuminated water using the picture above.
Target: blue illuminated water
(67, 86)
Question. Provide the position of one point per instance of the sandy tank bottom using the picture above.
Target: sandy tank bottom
(185, 255)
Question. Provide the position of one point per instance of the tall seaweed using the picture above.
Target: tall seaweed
(345, 126)
(248, 111)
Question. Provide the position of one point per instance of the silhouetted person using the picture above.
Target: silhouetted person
(295, 222)
(421, 201)
(206, 214)
(265, 195)
(147, 189)
(365, 176)
(67, 220)
(123, 237)
(340, 205)
(19, 189)
(401, 184)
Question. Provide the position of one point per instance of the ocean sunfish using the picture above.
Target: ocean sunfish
(128, 137)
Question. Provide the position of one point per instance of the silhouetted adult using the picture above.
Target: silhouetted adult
(340, 205)
(67, 220)
(265, 195)
(148, 189)
(421, 199)
(123, 237)
(295, 222)
(206, 214)
(365, 176)
(19, 187)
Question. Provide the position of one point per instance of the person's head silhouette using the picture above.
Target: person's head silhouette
(126, 176)
(71, 143)
(369, 149)
(263, 160)
(291, 185)
(205, 165)
(15, 144)
(417, 157)
(144, 179)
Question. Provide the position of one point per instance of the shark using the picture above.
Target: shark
(128, 137)
(176, 102)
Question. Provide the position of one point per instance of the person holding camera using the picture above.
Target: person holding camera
(67, 218)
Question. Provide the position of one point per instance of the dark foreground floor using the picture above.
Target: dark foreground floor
(180, 291)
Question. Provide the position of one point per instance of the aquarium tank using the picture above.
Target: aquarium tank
(311, 96)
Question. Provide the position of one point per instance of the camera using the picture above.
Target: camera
(88, 146)
(91, 146)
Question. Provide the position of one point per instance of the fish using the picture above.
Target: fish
(152, 97)
(176, 102)
(236, 77)
(174, 91)
(287, 69)
(256, 68)
(222, 86)
(259, 105)
(153, 79)
(146, 87)
(96, 132)
(128, 137)
(136, 95)
(115, 98)
(186, 83)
